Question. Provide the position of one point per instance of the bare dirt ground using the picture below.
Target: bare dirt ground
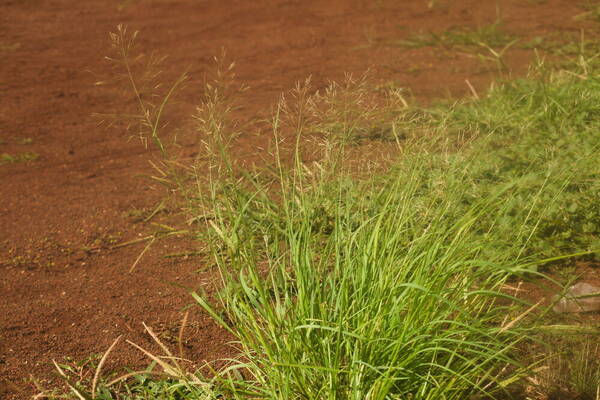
(64, 291)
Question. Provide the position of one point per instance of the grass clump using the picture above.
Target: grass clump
(388, 299)
(391, 286)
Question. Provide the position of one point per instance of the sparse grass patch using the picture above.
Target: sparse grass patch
(6, 158)
(149, 383)
(566, 47)
(146, 214)
(17, 140)
(488, 42)
(592, 11)
(570, 368)
(24, 140)
(491, 35)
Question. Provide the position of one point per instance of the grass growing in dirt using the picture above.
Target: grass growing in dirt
(489, 42)
(491, 35)
(6, 158)
(386, 280)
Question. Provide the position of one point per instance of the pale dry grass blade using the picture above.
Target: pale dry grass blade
(181, 329)
(512, 323)
(139, 257)
(157, 340)
(472, 89)
(169, 369)
(101, 364)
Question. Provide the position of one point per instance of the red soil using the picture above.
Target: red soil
(58, 299)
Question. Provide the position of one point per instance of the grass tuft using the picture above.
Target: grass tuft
(385, 280)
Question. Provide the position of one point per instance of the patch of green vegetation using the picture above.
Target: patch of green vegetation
(137, 214)
(6, 158)
(387, 282)
(489, 42)
(492, 35)
(567, 52)
(18, 140)
(80, 374)
(592, 11)
(537, 135)
(146, 214)
(563, 46)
